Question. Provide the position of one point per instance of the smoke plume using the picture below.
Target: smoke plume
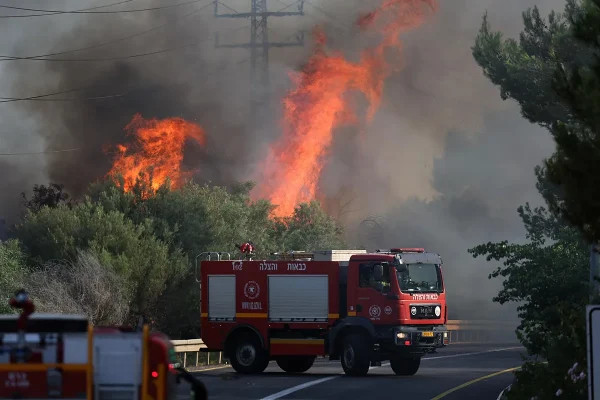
(444, 164)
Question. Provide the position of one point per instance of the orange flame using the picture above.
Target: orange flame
(157, 151)
(319, 104)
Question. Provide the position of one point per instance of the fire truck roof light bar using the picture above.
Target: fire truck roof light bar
(402, 250)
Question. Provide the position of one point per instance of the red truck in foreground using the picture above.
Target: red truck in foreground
(62, 356)
(357, 307)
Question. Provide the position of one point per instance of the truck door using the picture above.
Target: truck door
(369, 299)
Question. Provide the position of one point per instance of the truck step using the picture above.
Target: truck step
(375, 363)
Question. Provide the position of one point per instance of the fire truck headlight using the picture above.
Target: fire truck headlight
(401, 335)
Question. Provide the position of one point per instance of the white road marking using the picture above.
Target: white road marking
(294, 389)
(502, 393)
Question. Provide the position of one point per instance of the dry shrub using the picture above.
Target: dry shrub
(84, 286)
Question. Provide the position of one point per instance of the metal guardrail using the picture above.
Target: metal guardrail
(195, 346)
(459, 331)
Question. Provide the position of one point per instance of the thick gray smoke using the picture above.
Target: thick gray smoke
(445, 163)
(449, 161)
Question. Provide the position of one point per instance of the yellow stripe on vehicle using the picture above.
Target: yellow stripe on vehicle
(352, 313)
(43, 367)
(204, 315)
(145, 360)
(160, 383)
(250, 315)
(298, 341)
(333, 316)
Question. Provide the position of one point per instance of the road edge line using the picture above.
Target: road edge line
(297, 388)
(469, 383)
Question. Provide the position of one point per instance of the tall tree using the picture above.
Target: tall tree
(553, 72)
(575, 164)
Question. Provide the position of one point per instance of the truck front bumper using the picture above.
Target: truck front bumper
(421, 339)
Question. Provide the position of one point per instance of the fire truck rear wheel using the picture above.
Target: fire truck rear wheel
(295, 364)
(249, 357)
(356, 354)
(405, 366)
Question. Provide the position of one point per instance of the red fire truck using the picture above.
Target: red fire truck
(357, 307)
(50, 356)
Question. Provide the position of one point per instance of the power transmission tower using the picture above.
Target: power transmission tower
(259, 44)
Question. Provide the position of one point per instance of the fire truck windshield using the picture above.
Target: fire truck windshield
(419, 278)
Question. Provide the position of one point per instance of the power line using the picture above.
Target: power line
(42, 97)
(39, 152)
(121, 39)
(54, 13)
(87, 10)
(131, 56)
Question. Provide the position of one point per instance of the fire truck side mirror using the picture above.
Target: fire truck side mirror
(378, 272)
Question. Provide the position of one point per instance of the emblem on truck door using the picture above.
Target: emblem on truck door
(251, 290)
(374, 311)
(387, 310)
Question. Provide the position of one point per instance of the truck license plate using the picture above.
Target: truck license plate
(428, 334)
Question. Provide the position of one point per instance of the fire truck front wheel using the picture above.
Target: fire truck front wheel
(356, 354)
(295, 364)
(248, 356)
(405, 365)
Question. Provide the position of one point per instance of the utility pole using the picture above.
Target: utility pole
(259, 45)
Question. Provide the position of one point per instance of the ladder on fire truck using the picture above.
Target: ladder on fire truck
(62, 356)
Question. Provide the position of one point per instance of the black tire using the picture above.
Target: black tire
(356, 354)
(247, 356)
(295, 364)
(405, 366)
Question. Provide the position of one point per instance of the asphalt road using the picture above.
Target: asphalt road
(459, 371)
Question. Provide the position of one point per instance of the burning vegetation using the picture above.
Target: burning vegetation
(321, 101)
(156, 151)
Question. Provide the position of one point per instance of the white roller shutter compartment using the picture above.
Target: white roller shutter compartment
(221, 297)
(298, 298)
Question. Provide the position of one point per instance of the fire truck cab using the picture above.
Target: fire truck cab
(50, 356)
(357, 307)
